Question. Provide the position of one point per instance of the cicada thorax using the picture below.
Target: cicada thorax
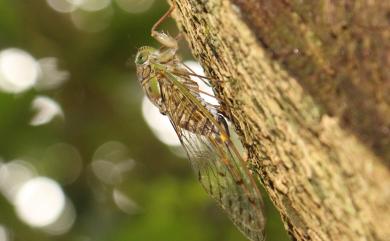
(143, 72)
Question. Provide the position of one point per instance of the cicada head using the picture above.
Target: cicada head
(142, 62)
(146, 75)
(143, 55)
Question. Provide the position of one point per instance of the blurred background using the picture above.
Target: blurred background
(83, 155)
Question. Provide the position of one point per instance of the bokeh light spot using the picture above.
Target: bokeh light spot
(135, 6)
(18, 70)
(123, 202)
(62, 161)
(92, 22)
(13, 175)
(46, 110)
(40, 202)
(51, 76)
(111, 161)
(114, 151)
(64, 222)
(159, 124)
(3, 233)
(94, 5)
(62, 6)
(104, 170)
(197, 68)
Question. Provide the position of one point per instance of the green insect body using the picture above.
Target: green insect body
(203, 132)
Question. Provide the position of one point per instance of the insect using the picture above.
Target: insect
(203, 132)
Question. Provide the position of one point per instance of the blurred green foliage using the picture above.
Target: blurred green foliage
(101, 102)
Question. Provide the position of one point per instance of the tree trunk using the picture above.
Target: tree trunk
(307, 86)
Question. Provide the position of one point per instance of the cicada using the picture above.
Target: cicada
(203, 132)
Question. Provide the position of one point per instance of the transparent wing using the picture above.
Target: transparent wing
(216, 161)
(222, 173)
(194, 88)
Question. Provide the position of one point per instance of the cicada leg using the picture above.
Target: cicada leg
(165, 39)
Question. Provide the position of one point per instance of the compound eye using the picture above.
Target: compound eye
(141, 59)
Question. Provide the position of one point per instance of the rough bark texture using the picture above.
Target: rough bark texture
(307, 87)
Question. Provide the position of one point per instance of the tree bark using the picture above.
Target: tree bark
(307, 87)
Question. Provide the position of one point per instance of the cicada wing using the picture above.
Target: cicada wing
(220, 170)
